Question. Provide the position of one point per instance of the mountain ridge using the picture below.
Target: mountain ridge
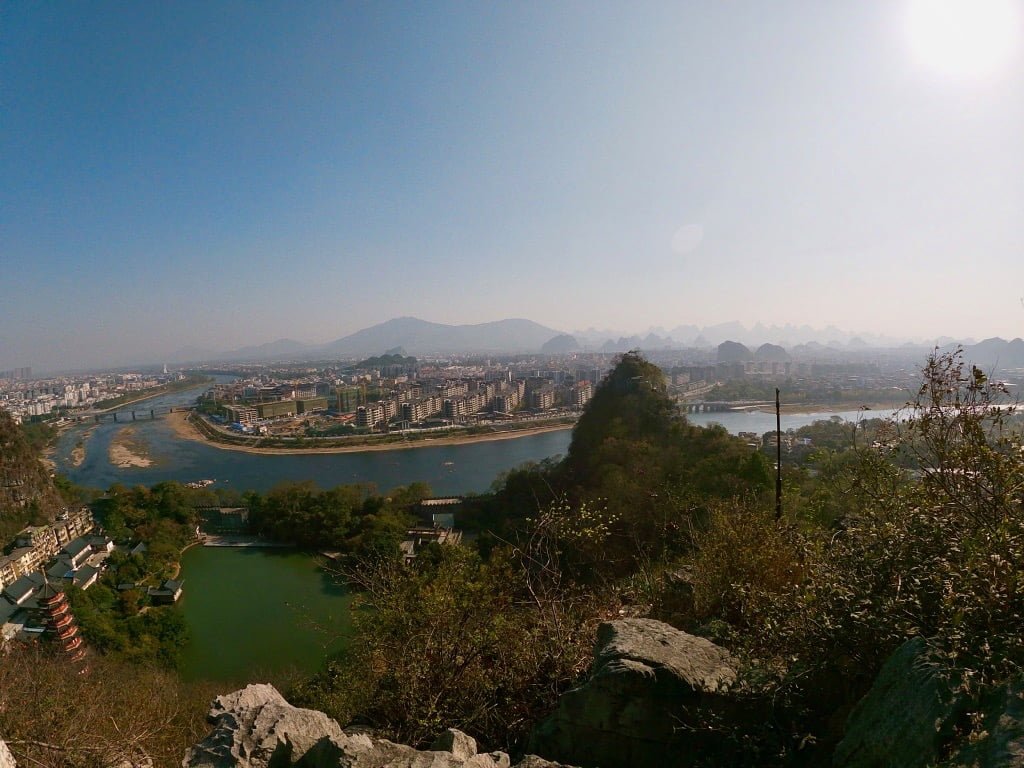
(416, 336)
(521, 335)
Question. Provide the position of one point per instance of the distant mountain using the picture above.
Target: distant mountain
(683, 336)
(421, 337)
(623, 344)
(733, 352)
(410, 335)
(560, 345)
(996, 353)
(771, 353)
(270, 351)
(191, 354)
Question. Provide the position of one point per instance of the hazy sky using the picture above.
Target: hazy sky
(219, 174)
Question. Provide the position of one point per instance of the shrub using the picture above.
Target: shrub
(450, 642)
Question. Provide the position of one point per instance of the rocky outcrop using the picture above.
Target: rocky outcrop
(27, 492)
(904, 719)
(771, 353)
(733, 352)
(1000, 742)
(650, 699)
(256, 728)
(913, 717)
(6, 758)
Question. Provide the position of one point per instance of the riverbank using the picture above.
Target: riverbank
(125, 451)
(182, 427)
(77, 457)
(148, 394)
(804, 408)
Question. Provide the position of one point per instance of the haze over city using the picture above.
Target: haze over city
(221, 175)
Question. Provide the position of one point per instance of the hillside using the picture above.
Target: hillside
(421, 337)
(27, 493)
(996, 353)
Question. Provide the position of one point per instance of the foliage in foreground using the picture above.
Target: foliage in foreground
(52, 715)
(937, 554)
(453, 642)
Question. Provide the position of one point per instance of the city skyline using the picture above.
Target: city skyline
(226, 175)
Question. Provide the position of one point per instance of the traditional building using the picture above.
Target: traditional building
(60, 622)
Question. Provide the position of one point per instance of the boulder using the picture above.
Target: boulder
(905, 720)
(6, 758)
(651, 698)
(256, 728)
(461, 745)
(1000, 741)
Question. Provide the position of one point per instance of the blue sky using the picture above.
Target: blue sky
(220, 174)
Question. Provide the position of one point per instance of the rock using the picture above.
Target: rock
(458, 743)
(6, 758)
(256, 728)
(650, 696)
(532, 761)
(256, 725)
(1000, 744)
(905, 719)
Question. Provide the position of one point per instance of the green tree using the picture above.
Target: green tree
(450, 642)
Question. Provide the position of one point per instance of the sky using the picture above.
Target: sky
(217, 174)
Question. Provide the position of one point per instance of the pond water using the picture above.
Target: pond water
(259, 613)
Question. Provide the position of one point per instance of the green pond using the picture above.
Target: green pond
(259, 614)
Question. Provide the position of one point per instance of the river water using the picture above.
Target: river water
(451, 469)
(263, 613)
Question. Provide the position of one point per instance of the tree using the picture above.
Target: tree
(934, 551)
(450, 641)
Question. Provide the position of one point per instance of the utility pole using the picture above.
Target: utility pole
(778, 457)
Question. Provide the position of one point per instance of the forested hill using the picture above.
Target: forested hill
(27, 492)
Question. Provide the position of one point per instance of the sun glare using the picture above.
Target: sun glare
(964, 38)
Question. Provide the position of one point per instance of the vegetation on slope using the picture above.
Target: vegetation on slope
(55, 715)
(915, 532)
(27, 494)
(892, 530)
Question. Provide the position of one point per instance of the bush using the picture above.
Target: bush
(450, 642)
(742, 558)
(55, 714)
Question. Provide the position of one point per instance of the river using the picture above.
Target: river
(448, 469)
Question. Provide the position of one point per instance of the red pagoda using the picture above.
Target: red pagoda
(60, 622)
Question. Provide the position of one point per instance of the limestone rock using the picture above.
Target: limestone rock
(1001, 741)
(904, 720)
(256, 728)
(6, 758)
(647, 701)
(458, 743)
(256, 725)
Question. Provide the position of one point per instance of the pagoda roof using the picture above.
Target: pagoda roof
(48, 590)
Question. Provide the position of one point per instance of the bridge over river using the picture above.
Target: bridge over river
(124, 415)
(708, 406)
